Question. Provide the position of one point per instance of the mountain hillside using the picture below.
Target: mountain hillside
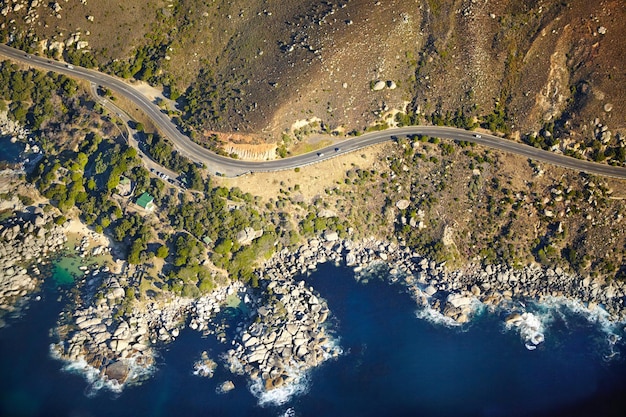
(547, 72)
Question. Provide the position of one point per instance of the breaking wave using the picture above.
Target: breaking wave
(552, 308)
(96, 380)
(435, 317)
(282, 395)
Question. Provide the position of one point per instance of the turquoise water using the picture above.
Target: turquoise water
(394, 364)
(65, 270)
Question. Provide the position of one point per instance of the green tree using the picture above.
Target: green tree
(162, 252)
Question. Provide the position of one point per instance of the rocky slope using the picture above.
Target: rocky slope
(270, 64)
(27, 240)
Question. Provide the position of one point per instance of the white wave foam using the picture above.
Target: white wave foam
(290, 412)
(595, 315)
(298, 385)
(96, 379)
(530, 328)
(282, 395)
(332, 347)
(203, 370)
(435, 317)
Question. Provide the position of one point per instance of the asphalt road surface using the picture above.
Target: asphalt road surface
(233, 167)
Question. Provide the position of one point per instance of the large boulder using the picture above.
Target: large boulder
(402, 204)
(458, 301)
(514, 319)
(379, 85)
(430, 290)
(247, 235)
(117, 371)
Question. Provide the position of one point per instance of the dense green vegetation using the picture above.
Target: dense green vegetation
(163, 152)
(85, 173)
(31, 94)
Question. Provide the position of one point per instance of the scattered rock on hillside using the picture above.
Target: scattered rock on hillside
(402, 204)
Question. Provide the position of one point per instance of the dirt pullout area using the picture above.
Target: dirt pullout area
(311, 181)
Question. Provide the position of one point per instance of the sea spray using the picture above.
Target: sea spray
(285, 337)
(529, 326)
(550, 307)
(422, 366)
(138, 371)
(436, 318)
(282, 395)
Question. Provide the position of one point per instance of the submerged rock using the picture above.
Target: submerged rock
(225, 387)
(205, 367)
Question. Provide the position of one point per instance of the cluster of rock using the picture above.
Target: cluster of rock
(83, 249)
(119, 346)
(32, 9)
(454, 293)
(12, 128)
(205, 366)
(26, 242)
(287, 336)
(110, 345)
(225, 387)
(203, 310)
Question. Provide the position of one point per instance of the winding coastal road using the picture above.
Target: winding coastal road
(233, 167)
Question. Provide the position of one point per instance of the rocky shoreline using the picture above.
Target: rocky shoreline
(114, 348)
(451, 293)
(120, 348)
(286, 331)
(286, 337)
(283, 335)
(27, 240)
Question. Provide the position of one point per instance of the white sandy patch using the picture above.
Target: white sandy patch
(82, 229)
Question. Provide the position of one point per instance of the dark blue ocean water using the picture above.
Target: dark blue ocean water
(394, 365)
(10, 152)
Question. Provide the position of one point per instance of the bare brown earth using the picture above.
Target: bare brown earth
(468, 205)
(310, 181)
(276, 62)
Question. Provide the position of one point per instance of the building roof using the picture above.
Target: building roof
(145, 200)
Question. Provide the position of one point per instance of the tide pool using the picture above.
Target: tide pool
(66, 270)
(394, 364)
